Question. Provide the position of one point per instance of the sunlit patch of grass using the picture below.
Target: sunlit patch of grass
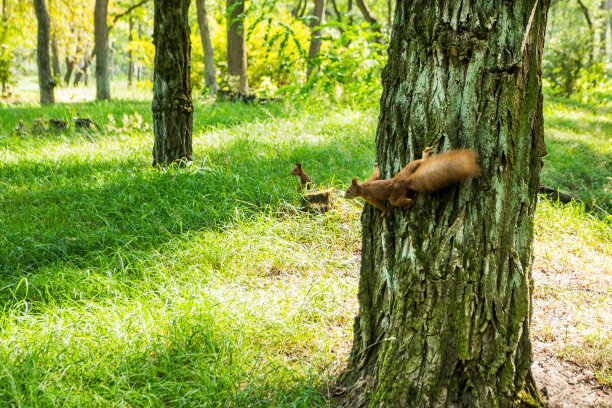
(200, 286)
(573, 286)
(579, 144)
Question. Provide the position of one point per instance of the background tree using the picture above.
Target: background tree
(46, 83)
(101, 50)
(210, 77)
(236, 44)
(316, 20)
(172, 105)
(445, 287)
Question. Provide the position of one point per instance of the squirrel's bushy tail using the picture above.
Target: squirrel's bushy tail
(443, 170)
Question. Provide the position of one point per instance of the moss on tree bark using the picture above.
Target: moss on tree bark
(445, 288)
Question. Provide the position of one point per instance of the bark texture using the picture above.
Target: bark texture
(445, 287)
(172, 105)
(210, 78)
(315, 40)
(101, 50)
(46, 83)
(236, 44)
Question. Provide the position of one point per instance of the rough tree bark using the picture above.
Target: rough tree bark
(210, 78)
(46, 83)
(101, 50)
(445, 287)
(315, 37)
(236, 44)
(172, 105)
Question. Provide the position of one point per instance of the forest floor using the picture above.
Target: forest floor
(123, 284)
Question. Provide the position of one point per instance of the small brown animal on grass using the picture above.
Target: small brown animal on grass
(304, 180)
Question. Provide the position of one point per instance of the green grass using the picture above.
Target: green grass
(124, 285)
(127, 285)
(579, 143)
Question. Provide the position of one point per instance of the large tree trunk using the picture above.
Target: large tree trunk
(445, 287)
(236, 44)
(315, 39)
(45, 79)
(101, 50)
(210, 78)
(172, 105)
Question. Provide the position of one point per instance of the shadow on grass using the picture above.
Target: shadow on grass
(184, 361)
(81, 214)
(575, 166)
(206, 115)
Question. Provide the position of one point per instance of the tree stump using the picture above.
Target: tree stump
(318, 200)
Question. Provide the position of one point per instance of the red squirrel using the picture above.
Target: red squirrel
(305, 181)
(423, 175)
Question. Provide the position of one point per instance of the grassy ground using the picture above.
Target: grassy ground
(125, 285)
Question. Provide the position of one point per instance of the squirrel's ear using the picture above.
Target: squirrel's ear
(298, 165)
(354, 181)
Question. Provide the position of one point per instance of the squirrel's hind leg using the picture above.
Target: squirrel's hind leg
(400, 200)
(378, 205)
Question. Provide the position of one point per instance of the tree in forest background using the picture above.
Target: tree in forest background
(172, 104)
(445, 286)
(236, 45)
(210, 76)
(101, 50)
(46, 83)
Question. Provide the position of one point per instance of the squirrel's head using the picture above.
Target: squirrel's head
(354, 189)
(296, 170)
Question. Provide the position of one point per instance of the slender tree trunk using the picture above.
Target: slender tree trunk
(70, 65)
(336, 11)
(315, 39)
(172, 105)
(296, 10)
(236, 44)
(130, 56)
(445, 287)
(349, 8)
(45, 79)
(210, 78)
(369, 17)
(82, 70)
(101, 50)
(55, 63)
(303, 10)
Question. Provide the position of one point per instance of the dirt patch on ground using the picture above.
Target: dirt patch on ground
(572, 322)
(565, 385)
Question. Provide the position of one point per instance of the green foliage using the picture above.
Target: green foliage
(7, 77)
(350, 63)
(567, 62)
(571, 61)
